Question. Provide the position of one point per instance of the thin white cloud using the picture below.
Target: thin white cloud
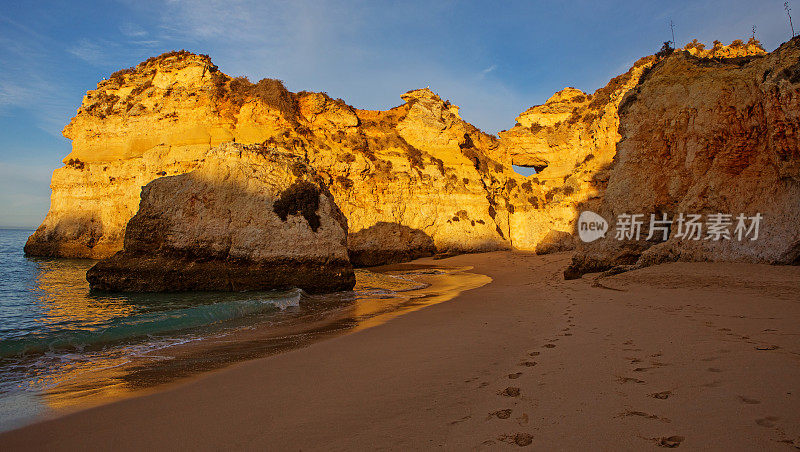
(89, 52)
(132, 30)
(30, 83)
(486, 71)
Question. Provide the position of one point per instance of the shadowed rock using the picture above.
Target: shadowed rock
(706, 136)
(388, 243)
(248, 218)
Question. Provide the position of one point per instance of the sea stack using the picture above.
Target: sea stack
(248, 218)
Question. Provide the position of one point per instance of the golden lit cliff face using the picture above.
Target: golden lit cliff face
(707, 136)
(572, 141)
(176, 100)
(415, 174)
(411, 180)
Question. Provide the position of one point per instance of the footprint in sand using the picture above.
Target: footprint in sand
(534, 353)
(661, 395)
(642, 369)
(458, 421)
(767, 347)
(768, 421)
(501, 414)
(549, 346)
(520, 439)
(644, 415)
(528, 363)
(515, 375)
(510, 391)
(670, 441)
(629, 380)
(748, 400)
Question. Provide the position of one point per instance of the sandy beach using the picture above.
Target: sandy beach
(690, 355)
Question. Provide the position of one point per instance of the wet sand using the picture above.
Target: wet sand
(679, 355)
(381, 294)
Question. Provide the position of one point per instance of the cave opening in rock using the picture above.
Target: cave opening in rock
(527, 171)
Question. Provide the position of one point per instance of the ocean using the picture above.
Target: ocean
(63, 348)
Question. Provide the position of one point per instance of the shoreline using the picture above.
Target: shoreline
(317, 318)
(674, 355)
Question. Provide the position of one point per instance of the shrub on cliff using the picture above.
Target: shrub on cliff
(270, 91)
(666, 50)
(180, 54)
(118, 77)
(301, 198)
(755, 42)
(695, 44)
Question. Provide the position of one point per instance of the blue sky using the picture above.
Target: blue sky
(494, 59)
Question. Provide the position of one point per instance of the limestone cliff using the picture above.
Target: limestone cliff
(417, 179)
(247, 218)
(570, 140)
(706, 136)
(417, 170)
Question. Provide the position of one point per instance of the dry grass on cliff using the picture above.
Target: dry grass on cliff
(180, 54)
(270, 91)
(119, 76)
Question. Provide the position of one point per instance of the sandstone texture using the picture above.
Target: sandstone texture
(417, 179)
(570, 141)
(418, 170)
(247, 218)
(706, 136)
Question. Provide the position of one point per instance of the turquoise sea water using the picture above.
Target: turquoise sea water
(63, 347)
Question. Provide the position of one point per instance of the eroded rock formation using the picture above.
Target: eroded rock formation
(417, 179)
(247, 218)
(706, 136)
(571, 141)
(418, 166)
